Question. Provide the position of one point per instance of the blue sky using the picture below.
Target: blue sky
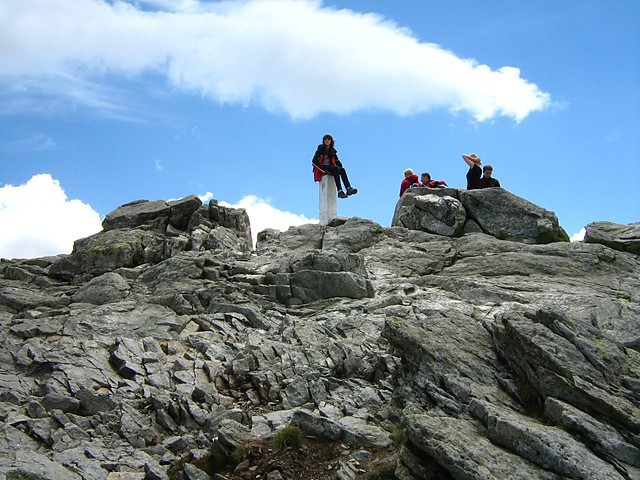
(106, 102)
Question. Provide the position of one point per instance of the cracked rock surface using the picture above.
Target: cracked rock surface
(166, 338)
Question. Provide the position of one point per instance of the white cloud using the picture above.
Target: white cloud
(269, 52)
(37, 219)
(263, 215)
(579, 236)
(206, 197)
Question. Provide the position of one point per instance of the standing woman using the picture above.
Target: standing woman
(474, 173)
(326, 158)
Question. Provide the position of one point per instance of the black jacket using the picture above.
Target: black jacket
(489, 182)
(320, 151)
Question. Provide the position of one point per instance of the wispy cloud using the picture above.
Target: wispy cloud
(265, 52)
(51, 93)
(34, 143)
(613, 136)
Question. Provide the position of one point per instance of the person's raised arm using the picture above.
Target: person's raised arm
(468, 160)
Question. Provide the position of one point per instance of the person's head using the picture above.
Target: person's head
(426, 177)
(408, 172)
(487, 170)
(327, 140)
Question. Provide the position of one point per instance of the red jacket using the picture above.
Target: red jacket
(436, 184)
(410, 180)
(318, 160)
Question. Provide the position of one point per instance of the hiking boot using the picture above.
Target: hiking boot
(341, 194)
(352, 191)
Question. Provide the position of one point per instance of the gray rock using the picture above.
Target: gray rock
(359, 433)
(253, 318)
(19, 298)
(126, 357)
(442, 215)
(192, 472)
(107, 288)
(274, 475)
(165, 336)
(58, 401)
(181, 210)
(318, 424)
(625, 238)
(351, 235)
(92, 403)
(494, 211)
(549, 447)
(108, 250)
(466, 453)
(299, 238)
(604, 439)
(34, 465)
(233, 434)
(296, 393)
(134, 234)
(233, 219)
(509, 217)
(137, 213)
(310, 285)
(86, 460)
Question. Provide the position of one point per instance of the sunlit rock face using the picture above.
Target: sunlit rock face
(498, 349)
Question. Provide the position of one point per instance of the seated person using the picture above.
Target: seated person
(487, 180)
(326, 159)
(410, 180)
(427, 182)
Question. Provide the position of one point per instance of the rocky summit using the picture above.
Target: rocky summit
(469, 340)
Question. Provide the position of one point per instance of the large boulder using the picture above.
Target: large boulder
(442, 215)
(106, 288)
(625, 238)
(509, 217)
(107, 250)
(136, 213)
(494, 211)
(156, 214)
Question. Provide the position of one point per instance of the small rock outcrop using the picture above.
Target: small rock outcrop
(148, 232)
(625, 238)
(163, 344)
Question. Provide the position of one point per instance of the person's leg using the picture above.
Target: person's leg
(347, 184)
(345, 179)
(334, 170)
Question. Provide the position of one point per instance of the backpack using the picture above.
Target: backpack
(413, 183)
